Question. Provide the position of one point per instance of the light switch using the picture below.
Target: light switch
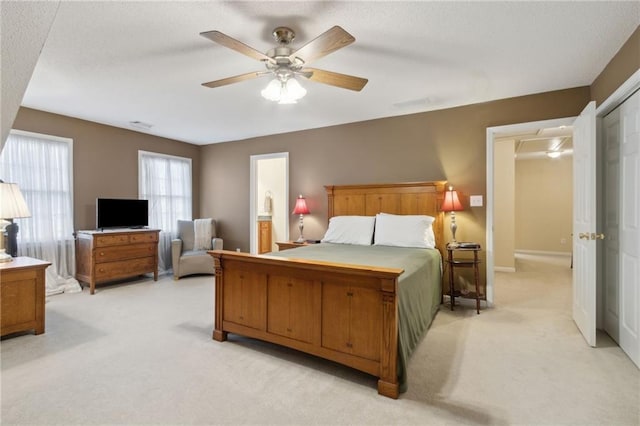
(475, 201)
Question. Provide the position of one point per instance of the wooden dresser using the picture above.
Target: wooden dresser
(22, 293)
(110, 255)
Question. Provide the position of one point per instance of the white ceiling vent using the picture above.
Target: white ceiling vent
(141, 125)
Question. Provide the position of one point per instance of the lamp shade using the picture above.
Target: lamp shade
(301, 206)
(451, 201)
(12, 204)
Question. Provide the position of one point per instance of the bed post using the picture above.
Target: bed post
(218, 334)
(388, 382)
(329, 190)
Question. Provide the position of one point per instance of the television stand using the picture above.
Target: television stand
(109, 255)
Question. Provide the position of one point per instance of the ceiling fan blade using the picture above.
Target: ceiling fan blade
(235, 79)
(327, 42)
(238, 46)
(334, 79)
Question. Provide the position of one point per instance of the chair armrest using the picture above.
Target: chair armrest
(176, 251)
(216, 243)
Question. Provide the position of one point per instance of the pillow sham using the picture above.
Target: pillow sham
(356, 230)
(404, 231)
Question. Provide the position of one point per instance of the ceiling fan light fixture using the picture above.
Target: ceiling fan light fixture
(287, 91)
(272, 91)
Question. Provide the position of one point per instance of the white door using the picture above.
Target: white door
(630, 228)
(611, 195)
(584, 223)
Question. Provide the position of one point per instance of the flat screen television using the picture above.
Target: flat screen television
(121, 213)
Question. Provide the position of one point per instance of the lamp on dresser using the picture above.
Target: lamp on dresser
(12, 206)
(452, 204)
(301, 209)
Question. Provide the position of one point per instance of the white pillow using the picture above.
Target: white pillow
(404, 231)
(350, 230)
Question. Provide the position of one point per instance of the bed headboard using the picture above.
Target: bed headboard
(395, 198)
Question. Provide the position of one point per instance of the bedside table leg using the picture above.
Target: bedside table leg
(476, 273)
(451, 296)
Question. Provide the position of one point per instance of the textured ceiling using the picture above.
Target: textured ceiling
(118, 62)
(535, 144)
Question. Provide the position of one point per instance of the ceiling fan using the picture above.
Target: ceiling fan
(284, 63)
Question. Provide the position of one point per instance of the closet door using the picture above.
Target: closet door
(611, 258)
(629, 339)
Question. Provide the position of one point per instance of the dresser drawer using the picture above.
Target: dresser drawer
(124, 268)
(144, 237)
(111, 240)
(132, 251)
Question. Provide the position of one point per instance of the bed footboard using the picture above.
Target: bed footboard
(344, 313)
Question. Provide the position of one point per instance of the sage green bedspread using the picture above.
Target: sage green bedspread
(419, 286)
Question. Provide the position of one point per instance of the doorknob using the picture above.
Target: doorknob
(583, 235)
(597, 236)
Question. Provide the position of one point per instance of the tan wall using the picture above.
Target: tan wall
(544, 194)
(618, 70)
(504, 204)
(447, 144)
(105, 159)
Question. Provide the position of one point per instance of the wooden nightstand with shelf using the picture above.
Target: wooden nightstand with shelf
(454, 262)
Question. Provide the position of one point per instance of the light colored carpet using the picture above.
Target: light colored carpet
(142, 353)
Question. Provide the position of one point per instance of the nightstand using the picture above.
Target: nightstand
(286, 245)
(463, 262)
(22, 291)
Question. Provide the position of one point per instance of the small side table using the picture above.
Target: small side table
(464, 263)
(286, 245)
(22, 291)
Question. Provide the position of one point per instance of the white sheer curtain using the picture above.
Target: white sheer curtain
(165, 181)
(42, 166)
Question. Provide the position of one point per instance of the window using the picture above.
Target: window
(165, 181)
(42, 166)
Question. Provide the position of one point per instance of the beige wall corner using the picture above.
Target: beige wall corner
(504, 204)
(544, 204)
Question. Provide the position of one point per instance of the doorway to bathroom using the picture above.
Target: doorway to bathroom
(269, 219)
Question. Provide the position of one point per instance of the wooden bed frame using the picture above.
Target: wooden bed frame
(344, 313)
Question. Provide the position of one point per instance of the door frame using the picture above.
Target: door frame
(625, 90)
(491, 132)
(253, 185)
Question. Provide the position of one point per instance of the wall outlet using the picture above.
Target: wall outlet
(475, 201)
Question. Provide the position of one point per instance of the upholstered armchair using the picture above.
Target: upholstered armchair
(187, 260)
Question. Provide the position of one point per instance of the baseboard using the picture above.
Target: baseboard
(504, 269)
(543, 252)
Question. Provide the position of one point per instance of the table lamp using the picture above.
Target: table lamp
(12, 206)
(301, 209)
(452, 204)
